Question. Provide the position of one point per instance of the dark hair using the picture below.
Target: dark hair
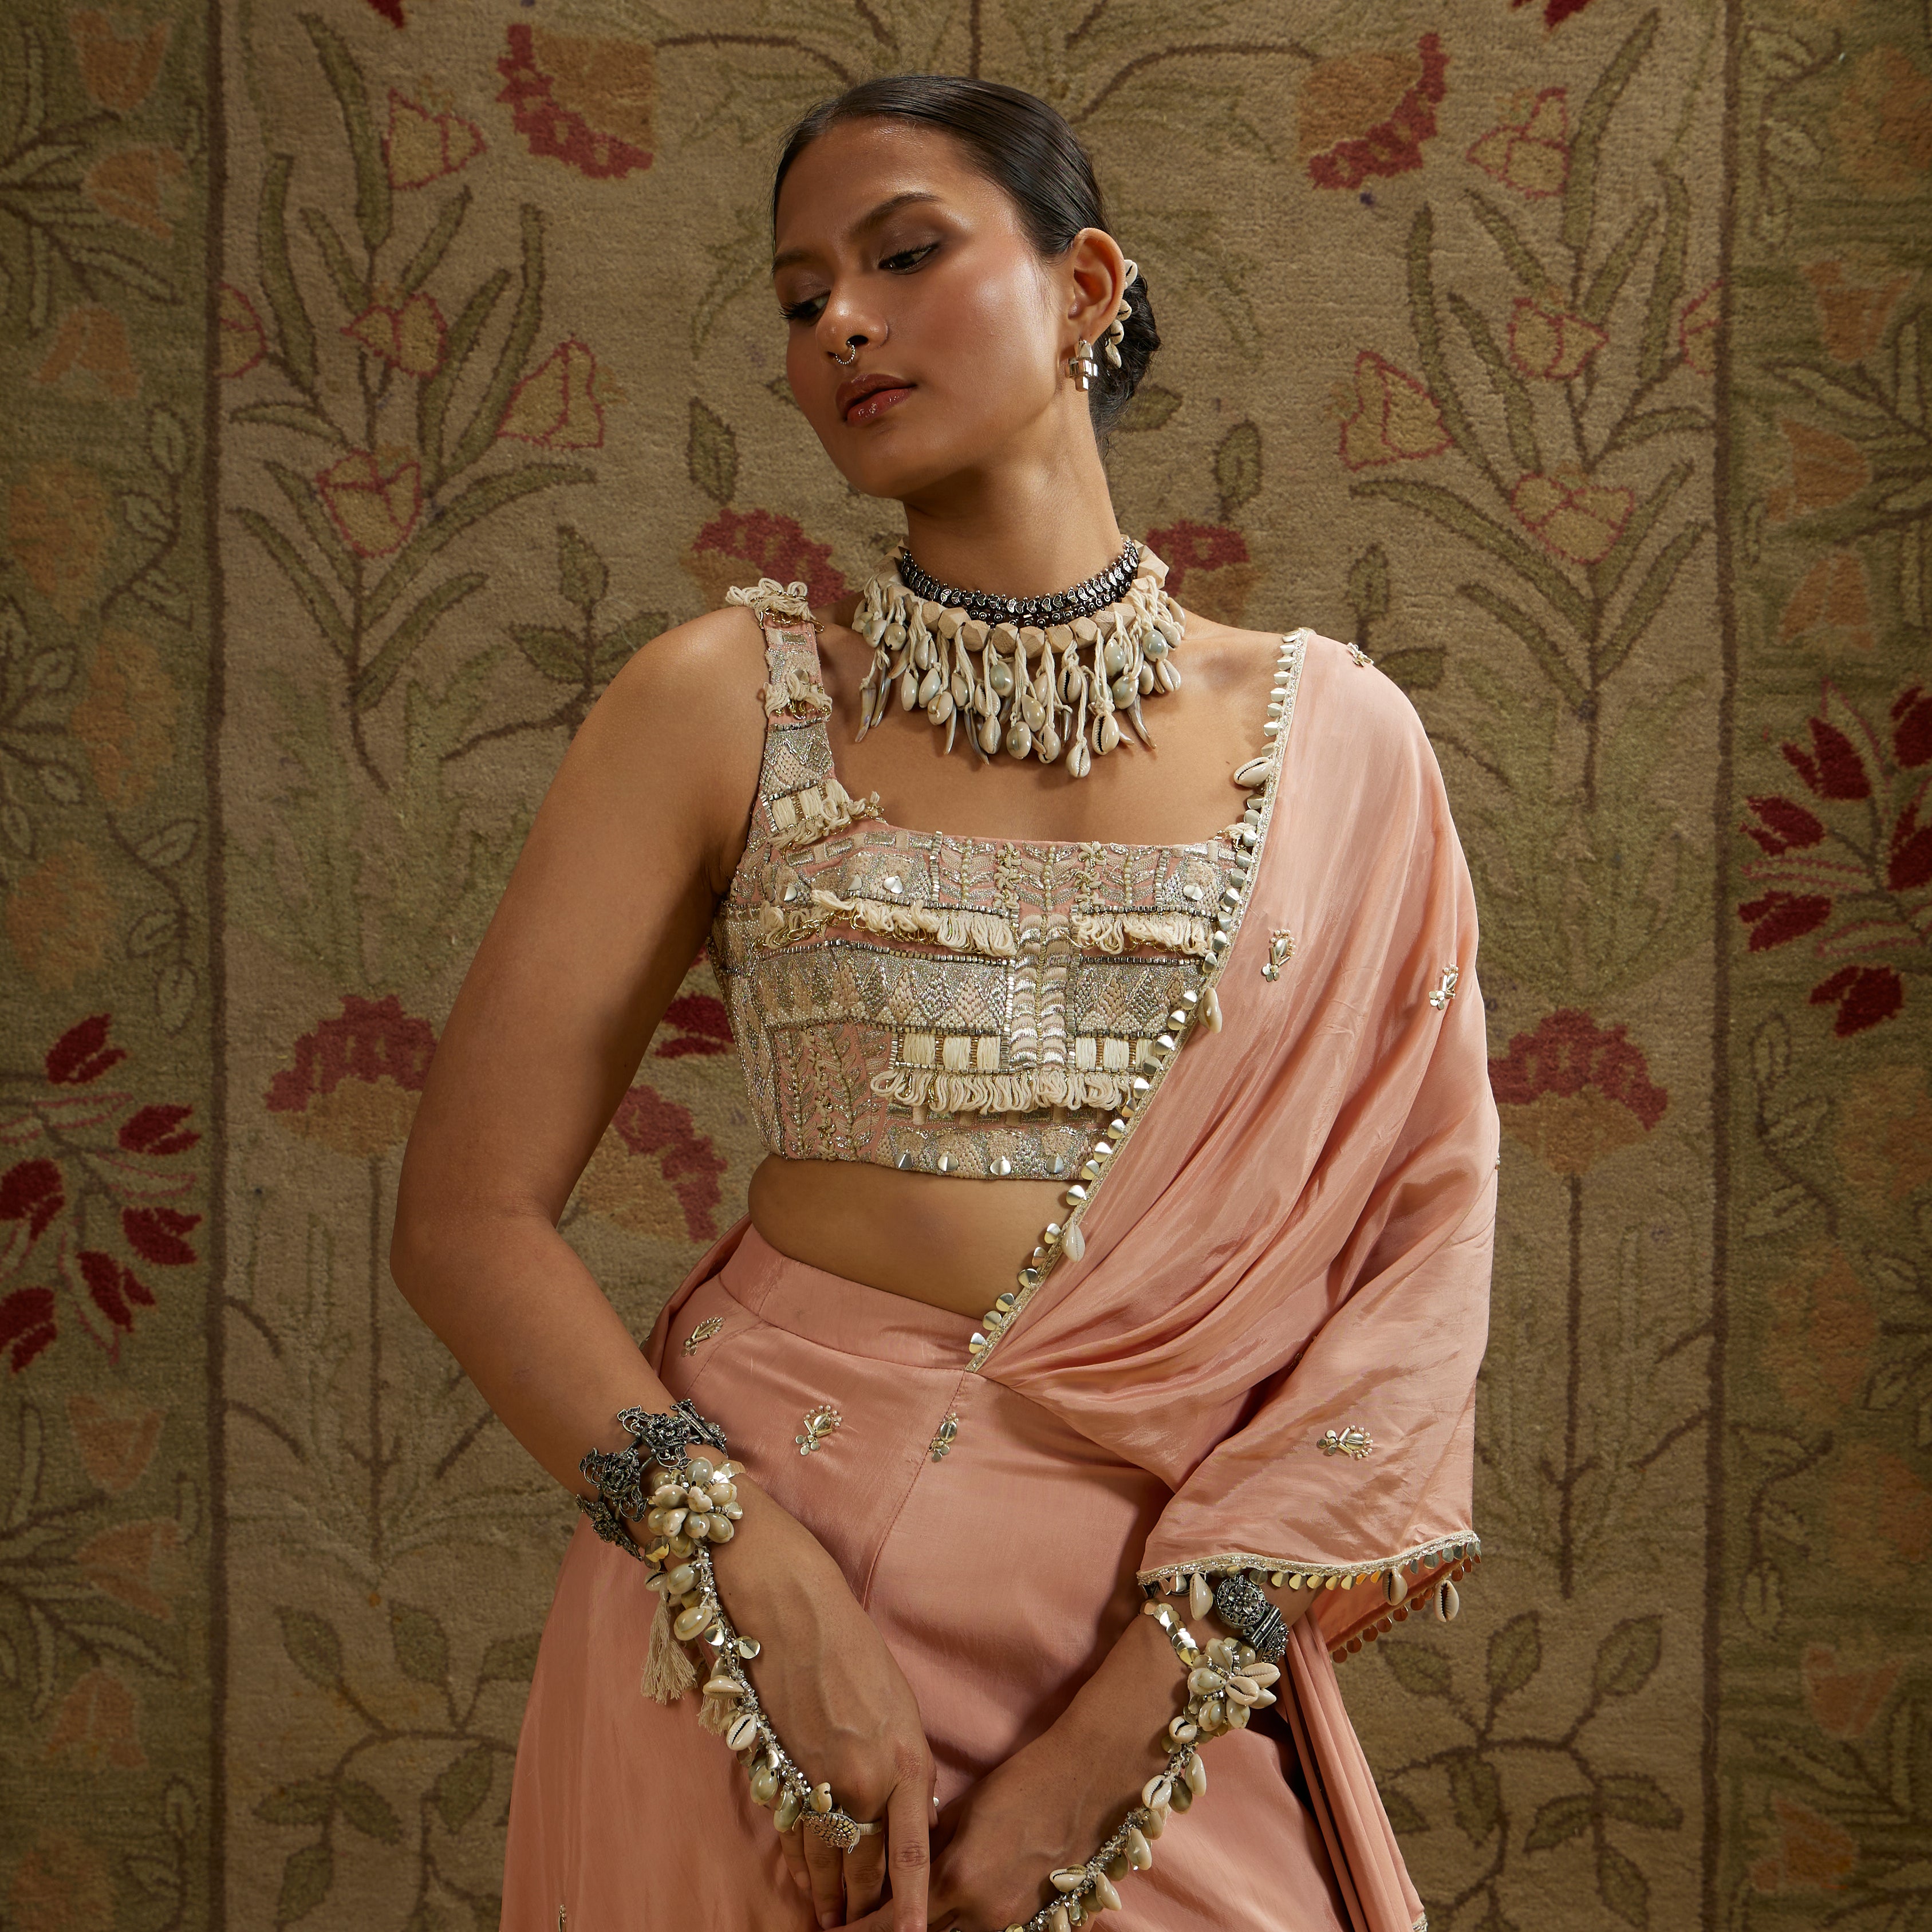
(1022, 146)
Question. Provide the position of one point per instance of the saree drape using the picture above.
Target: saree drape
(1271, 1339)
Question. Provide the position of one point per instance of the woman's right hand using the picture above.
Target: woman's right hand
(841, 1707)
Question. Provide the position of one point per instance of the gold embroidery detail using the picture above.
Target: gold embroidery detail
(1281, 950)
(1353, 1441)
(1361, 657)
(948, 1430)
(819, 1423)
(703, 1332)
(1445, 989)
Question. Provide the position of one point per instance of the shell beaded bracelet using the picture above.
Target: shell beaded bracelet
(685, 1503)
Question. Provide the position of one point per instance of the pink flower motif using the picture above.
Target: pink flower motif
(1395, 420)
(1528, 148)
(1187, 547)
(1783, 827)
(660, 1129)
(158, 1234)
(81, 1054)
(555, 405)
(1831, 768)
(353, 1080)
(373, 498)
(1577, 518)
(1864, 995)
(422, 146)
(240, 342)
(1391, 145)
(27, 1324)
(1778, 918)
(703, 1026)
(409, 338)
(1911, 727)
(1551, 345)
(585, 103)
(765, 545)
(1573, 1091)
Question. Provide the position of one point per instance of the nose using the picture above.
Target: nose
(846, 326)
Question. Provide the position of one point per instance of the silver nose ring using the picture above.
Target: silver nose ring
(846, 360)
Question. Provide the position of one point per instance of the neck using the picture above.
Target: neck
(1035, 522)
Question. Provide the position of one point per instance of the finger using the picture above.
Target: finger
(865, 1875)
(792, 1852)
(827, 1870)
(909, 1851)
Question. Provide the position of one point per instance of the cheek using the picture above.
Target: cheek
(987, 343)
(813, 379)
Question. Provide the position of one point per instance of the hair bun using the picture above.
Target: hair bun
(1139, 338)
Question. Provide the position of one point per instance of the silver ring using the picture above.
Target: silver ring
(868, 1830)
(846, 361)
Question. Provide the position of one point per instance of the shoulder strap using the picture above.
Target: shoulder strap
(800, 800)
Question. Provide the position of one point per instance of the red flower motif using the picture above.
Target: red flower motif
(26, 1324)
(1395, 420)
(1911, 727)
(114, 1287)
(1551, 345)
(555, 405)
(772, 546)
(1908, 862)
(355, 1078)
(391, 10)
(82, 1053)
(30, 1191)
(1778, 918)
(1832, 768)
(1844, 1700)
(1864, 996)
(157, 1130)
(1528, 148)
(1577, 518)
(1392, 144)
(373, 499)
(1187, 546)
(155, 1235)
(1786, 827)
(421, 147)
(585, 102)
(704, 1027)
(409, 338)
(241, 342)
(1555, 12)
(1573, 1091)
(649, 1125)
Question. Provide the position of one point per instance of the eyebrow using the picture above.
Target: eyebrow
(863, 225)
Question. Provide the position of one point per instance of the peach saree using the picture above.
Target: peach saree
(1266, 1357)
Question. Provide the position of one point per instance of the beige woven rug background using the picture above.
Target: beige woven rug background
(380, 373)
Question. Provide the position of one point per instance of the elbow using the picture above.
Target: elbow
(417, 1238)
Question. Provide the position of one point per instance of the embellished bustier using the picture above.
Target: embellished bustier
(975, 1006)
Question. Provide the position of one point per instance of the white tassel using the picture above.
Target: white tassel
(1114, 931)
(668, 1671)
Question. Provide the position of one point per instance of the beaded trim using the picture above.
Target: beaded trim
(1261, 775)
(1062, 607)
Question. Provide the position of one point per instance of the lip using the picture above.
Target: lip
(889, 392)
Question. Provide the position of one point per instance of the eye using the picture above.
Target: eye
(906, 260)
(807, 310)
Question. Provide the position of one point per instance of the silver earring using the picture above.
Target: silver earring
(1081, 367)
(852, 345)
(1117, 329)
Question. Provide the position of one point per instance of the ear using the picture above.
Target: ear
(1096, 278)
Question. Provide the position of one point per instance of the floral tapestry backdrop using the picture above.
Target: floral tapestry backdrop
(381, 374)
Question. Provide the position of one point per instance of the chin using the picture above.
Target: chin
(900, 461)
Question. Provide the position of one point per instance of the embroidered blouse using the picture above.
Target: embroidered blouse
(981, 1007)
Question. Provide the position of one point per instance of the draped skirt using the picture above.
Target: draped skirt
(993, 1547)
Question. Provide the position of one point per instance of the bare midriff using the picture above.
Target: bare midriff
(952, 1244)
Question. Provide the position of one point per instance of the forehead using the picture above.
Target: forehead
(852, 170)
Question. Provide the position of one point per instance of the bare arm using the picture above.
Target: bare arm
(638, 836)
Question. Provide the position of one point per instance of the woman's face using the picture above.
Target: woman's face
(887, 233)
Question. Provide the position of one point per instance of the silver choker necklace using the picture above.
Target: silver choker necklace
(1031, 677)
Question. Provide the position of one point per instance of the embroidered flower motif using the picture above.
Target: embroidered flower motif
(422, 146)
(1555, 12)
(1573, 1092)
(128, 186)
(1212, 562)
(555, 405)
(354, 1080)
(1551, 345)
(585, 102)
(1577, 518)
(373, 498)
(409, 338)
(1698, 329)
(819, 1423)
(1911, 727)
(63, 1883)
(27, 1324)
(60, 916)
(1864, 995)
(115, 1436)
(1528, 148)
(117, 71)
(1395, 418)
(1882, 125)
(126, 716)
(57, 526)
(703, 1026)
(1369, 114)
(655, 1173)
(1812, 1854)
(132, 1562)
(736, 544)
(1843, 1701)
(96, 1723)
(91, 341)
(1826, 469)
(240, 342)
(1831, 609)
(1852, 315)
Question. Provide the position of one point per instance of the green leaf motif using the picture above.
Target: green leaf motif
(480, 430)
(558, 654)
(349, 288)
(294, 333)
(621, 645)
(307, 1803)
(582, 575)
(1580, 196)
(1237, 468)
(313, 1646)
(1558, 1821)
(1622, 1887)
(1369, 586)
(371, 684)
(168, 442)
(1667, 281)
(1516, 1655)
(372, 172)
(369, 1811)
(1627, 1656)
(510, 1659)
(1147, 408)
(1418, 670)
(1475, 1796)
(711, 454)
(1608, 282)
(423, 263)
(1405, 1815)
(463, 1786)
(422, 1650)
(1421, 1672)
(1638, 1800)
(306, 1880)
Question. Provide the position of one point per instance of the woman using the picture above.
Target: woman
(1125, 1240)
